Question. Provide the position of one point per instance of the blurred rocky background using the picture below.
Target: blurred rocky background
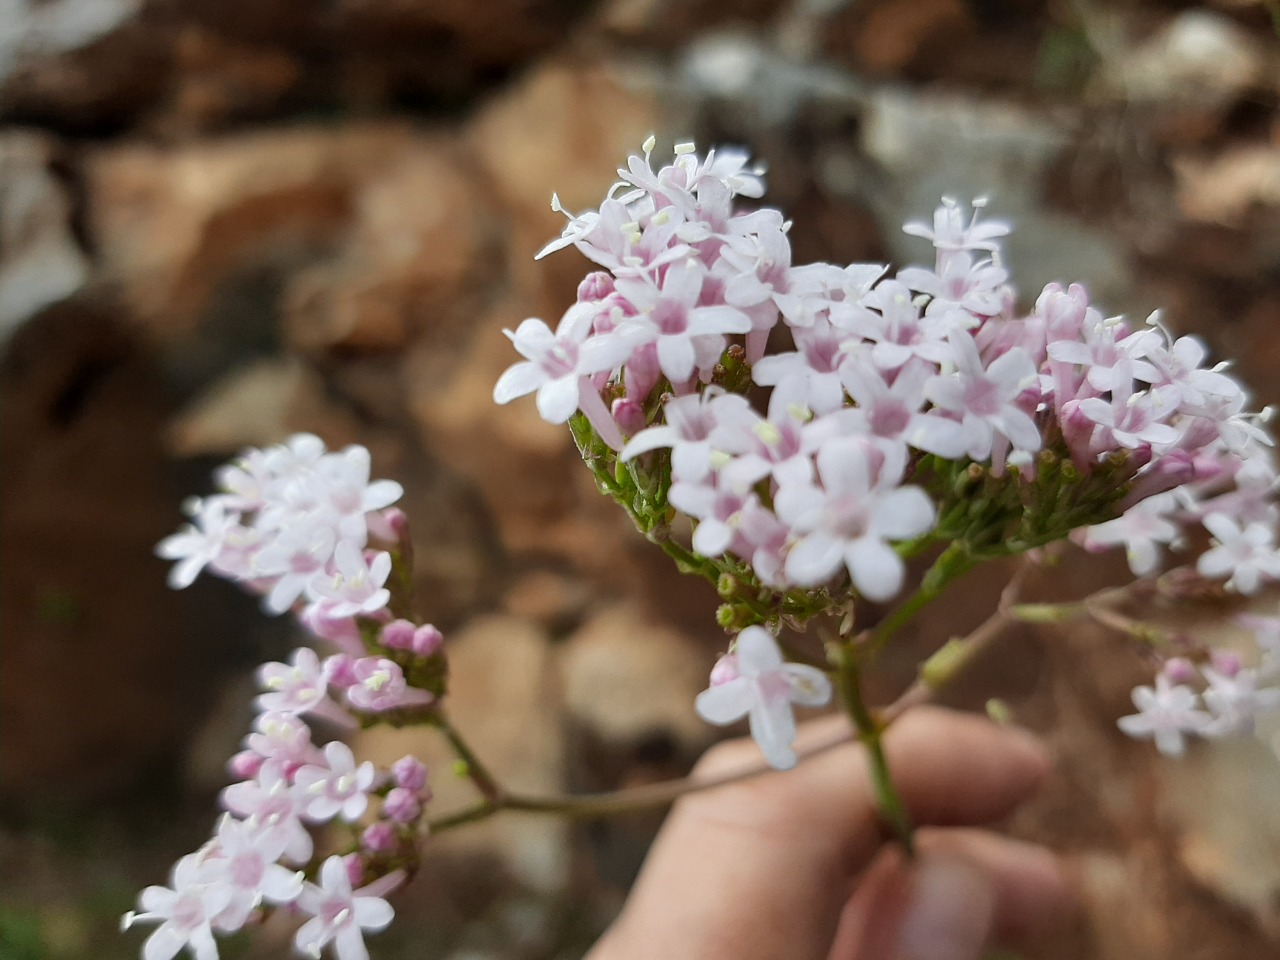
(225, 220)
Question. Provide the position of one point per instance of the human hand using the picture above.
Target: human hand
(795, 865)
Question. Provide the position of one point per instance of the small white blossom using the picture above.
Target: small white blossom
(764, 689)
(339, 914)
(1167, 713)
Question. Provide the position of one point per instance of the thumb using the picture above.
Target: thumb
(967, 890)
(950, 912)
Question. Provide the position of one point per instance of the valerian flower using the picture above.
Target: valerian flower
(763, 687)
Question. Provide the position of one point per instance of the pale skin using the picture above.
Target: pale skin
(795, 864)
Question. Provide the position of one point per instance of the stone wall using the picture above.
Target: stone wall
(223, 222)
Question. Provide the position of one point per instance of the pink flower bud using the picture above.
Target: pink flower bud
(397, 520)
(397, 635)
(1179, 670)
(387, 525)
(595, 286)
(401, 805)
(427, 640)
(725, 670)
(1226, 663)
(245, 764)
(340, 630)
(380, 685)
(379, 837)
(355, 869)
(340, 671)
(630, 416)
(410, 773)
(643, 371)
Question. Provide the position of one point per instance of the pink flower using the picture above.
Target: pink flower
(556, 362)
(339, 914)
(295, 687)
(197, 545)
(245, 856)
(338, 788)
(986, 400)
(273, 805)
(1168, 713)
(185, 911)
(356, 587)
(849, 521)
(379, 684)
(401, 805)
(764, 690)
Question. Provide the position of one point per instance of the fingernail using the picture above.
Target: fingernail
(949, 912)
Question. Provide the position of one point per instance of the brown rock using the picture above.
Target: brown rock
(893, 34)
(104, 669)
(253, 406)
(85, 64)
(40, 260)
(1225, 188)
(412, 264)
(628, 678)
(564, 130)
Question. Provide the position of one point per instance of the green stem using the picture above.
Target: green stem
(888, 801)
(951, 563)
(476, 771)
(589, 805)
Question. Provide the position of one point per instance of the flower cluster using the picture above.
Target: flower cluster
(294, 523)
(904, 410)
(1219, 696)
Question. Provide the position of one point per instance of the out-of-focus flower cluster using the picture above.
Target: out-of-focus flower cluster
(1214, 695)
(300, 526)
(906, 412)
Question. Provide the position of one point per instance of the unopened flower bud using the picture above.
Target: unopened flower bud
(340, 630)
(725, 670)
(595, 286)
(355, 869)
(402, 805)
(339, 670)
(397, 520)
(1179, 670)
(630, 416)
(427, 641)
(397, 635)
(379, 837)
(1226, 663)
(245, 764)
(410, 773)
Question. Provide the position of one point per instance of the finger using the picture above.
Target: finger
(967, 889)
(762, 868)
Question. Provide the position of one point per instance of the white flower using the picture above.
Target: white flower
(357, 586)
(273, 806)
(338, 788)
(1167, 713)
(689, 337)
(197, 545)
(186, 911)
(986, 399)
(295, 687)
(849, 520)
(1236, 701)
(245, 853)
(339, 914)
(764, 689)
(1247, 555)
(1143, 529)
(557, 361)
